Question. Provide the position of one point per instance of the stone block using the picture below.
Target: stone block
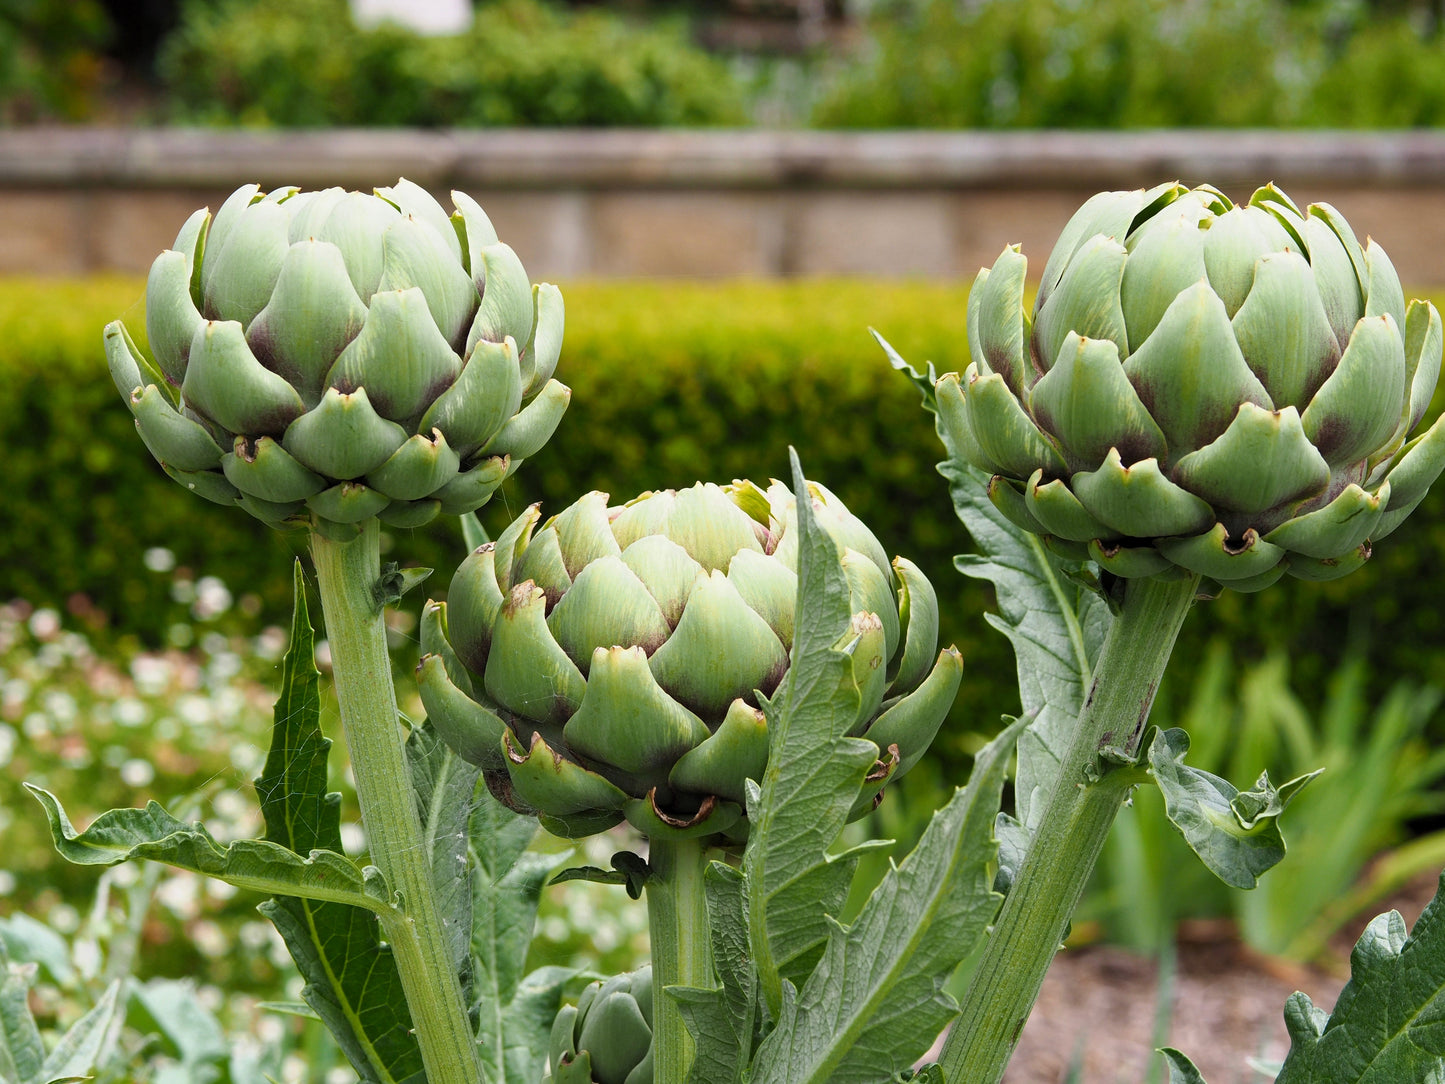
(694, 234)
(886, 233)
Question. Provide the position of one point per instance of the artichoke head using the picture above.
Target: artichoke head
(324, 357)
(606, 1038)
(609, 664)
(1201, 388)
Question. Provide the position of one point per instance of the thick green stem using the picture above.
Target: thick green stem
(1069, 835)
(681, 953)
(347, 573)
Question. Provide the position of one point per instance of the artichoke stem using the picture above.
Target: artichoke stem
(1069, 834)
(346, 573)
(681, 949)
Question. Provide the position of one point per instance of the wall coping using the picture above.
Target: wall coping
(71, 157)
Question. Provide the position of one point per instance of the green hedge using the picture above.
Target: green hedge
(304, 63)
(1139, 64)
(672, 382)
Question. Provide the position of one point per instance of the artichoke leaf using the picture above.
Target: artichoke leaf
(312, 314)
(420, 467)
(130, 369)
(918, 616)
(1054, 505)
(171, 436)
(1138, 501)
(209, 484)
(469, 730)
(355, 224)
(506, 306)
(1233, 246)
(527, 672)
(1166, 255)
(1336, 276)
(1320, 570)
(1216, 555)
(1414, 468)
(1336, 529)
(1359, 407)
(474, 230)
(1423, 345)
(413, 254)
(912, 722)
(474, 600)
(1112, 214)
(1007, 496)
(642, 517)
(219, 232)
(410, 198)
(606, 605)
(347, 502)
(712, 818)
(1262, 460)
(872, 593)
(1127, 562)
(1383, 293)
(1088, 405)
(1005, 435)
(473, 487)
(241, 268)
(1086, 302)
(706, 523)
(769, 587)
(584, 532)
(226, 383)
(627, 721)
(1283, 331)
(400, 357)
(1190, 374)
(262, 468)
(721, 763)
(171, 314)
(554, 785)
(408, 515)
(524, 433)
(343, 436)
(544, 565)
(720, 650)
(996, 320)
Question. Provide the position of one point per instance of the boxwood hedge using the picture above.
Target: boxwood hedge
(672, 382)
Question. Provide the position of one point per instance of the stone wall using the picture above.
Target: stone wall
(694, 203)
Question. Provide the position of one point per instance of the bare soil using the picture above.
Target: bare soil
(1100, 1003)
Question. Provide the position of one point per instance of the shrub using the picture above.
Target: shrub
(1137, 64)
(719, 380)
(304, 63)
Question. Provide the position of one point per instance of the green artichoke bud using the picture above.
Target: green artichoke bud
(325, 357)
(608, 665)
(1201, 388)
(606, 1038)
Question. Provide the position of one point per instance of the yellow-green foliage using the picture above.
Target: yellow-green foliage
(672, 382)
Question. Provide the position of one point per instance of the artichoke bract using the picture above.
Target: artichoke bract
(606, 1038)
(609, 665)
(325, 357)
(1202, 388)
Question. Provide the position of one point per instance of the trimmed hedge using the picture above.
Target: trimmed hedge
(672, 382)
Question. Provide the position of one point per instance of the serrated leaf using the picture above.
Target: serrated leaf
(1235, 833)
(21, 1050)
(876, 1000)
(815, 771)
(1389, 1022)
(443, 785)
(86, 1043)
(512, 1014)
(352, 982)
(722, 1021)
(1056, 626)
(121, 835)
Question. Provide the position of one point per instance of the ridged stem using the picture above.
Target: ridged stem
(347, 573)
(1070, 834)
(681, 952)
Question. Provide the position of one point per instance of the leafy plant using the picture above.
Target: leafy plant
(1378, 776)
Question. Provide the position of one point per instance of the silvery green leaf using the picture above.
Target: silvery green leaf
(87, 1043)
(876, 1000)
(814, 772)
(443, 785)
(512, 1011)
(194, 1032)
(1235, 833)
(1388, 1025)
(21, 1050)
(723, 1021)
(352, 982)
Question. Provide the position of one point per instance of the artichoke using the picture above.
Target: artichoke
(1202, 388)
(607, 1037)
(609, 665)
(325, 357)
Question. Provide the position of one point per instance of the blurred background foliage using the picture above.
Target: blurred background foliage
(823, 63)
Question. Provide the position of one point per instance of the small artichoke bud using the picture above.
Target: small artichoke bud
(620, 653)
(1201, 387)
(607, 1037)
(325, 357)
